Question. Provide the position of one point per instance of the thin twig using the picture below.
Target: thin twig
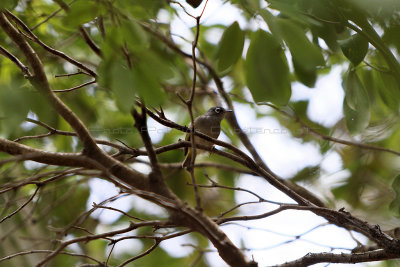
(16, 61)
(96, 49)
(48, 48)
(21, 207)
(89, 238)
(189, 104)
(183, 8)
(75, 88)
(71, 74)
(47, 251)
(271, 177)
(377, 68)
(330, 138)
(52, 15)
(260, 199)
(236, 207)
(114, 209)
(153, 247)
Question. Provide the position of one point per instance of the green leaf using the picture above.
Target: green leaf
(305, 76)
(356, 94)
(117, 76)
(8, 4)
(395, 204)
(40, 106)
(306, 56)
(389, 90)
(81, 12)
(271, 21)
(368, 79)
(148, 77)
(147, 85)
(140, 9)
(322, 9)
(309, 174)
(230, 47)
(135, 37)
(148, 69)
(392, 36)
(356, 121)
(356, 103)
(69, 210)
(122, 86)
(14, 106)
(291, 9)
(266, 69)
(355, 48)
(328, 33)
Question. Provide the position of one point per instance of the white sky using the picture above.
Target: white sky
(284, 155)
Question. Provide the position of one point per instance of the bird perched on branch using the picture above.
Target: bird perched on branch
(208, 124)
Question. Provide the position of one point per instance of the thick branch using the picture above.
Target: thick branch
(51, 158)
(156, 179)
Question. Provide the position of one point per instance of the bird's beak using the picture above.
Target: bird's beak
(227, 112)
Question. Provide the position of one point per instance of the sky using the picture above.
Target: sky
(271, 238)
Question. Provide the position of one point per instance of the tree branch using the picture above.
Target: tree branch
(48, 48)
(330, 138)
(21, 207)
(51, 158)
(233, 120)
(40, 82)
(314, 258)
(24, 69)
(90, 42)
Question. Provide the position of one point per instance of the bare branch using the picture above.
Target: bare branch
(153, 247)
(303, 192)
(272, 178)
(89, 238)
(47, 251)
(52, 158)
(141, 125)
(75, 88)
(24, 69)
(48, 48)
(21, 207)
(71, 74)
(313, 258)
(114, 209)
(90, 42)
(330, 138)
(40, 82)
(52, 15)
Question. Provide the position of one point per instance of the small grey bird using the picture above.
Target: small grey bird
(208, 124)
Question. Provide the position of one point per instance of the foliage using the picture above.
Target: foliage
(108, 60)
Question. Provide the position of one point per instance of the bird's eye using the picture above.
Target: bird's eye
(218, 110)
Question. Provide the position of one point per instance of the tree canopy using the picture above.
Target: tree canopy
(104, 91)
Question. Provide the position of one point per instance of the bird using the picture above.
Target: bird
(194, 3)
(208, 124)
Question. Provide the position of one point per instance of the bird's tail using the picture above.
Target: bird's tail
(188, 157)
